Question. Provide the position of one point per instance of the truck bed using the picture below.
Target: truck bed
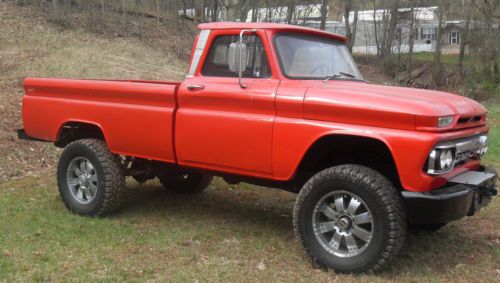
(135, 116)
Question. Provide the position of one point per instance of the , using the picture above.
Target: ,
(279, 106)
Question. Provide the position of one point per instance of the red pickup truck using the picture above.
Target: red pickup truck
(280, 106)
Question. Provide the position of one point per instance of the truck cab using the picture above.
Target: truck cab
(280, 106)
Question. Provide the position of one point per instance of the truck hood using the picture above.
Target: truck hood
(382, 106)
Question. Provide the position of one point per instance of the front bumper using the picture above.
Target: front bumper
(463, 195)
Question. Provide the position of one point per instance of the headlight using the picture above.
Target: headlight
(445, 121)
(441, 160)
(483, 148)
(446, 159)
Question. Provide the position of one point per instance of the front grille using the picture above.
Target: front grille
(463, 120)
(471, 121)
(475, 119)
(464, 150)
